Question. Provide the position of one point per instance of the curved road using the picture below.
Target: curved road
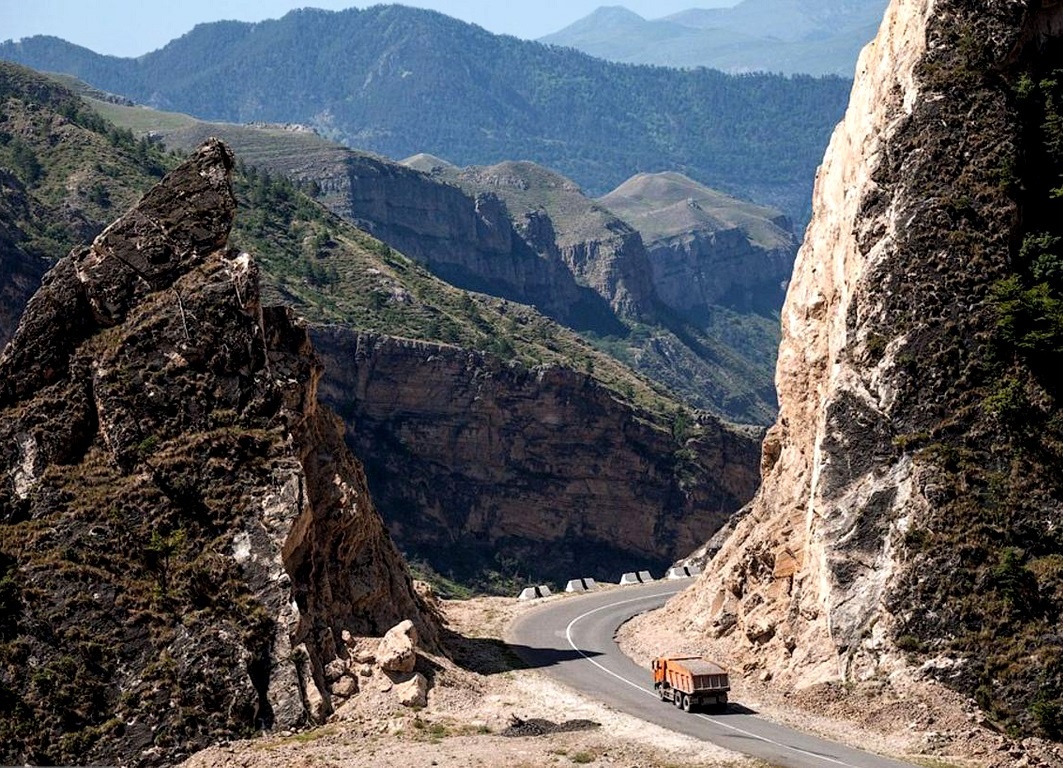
(572, 640)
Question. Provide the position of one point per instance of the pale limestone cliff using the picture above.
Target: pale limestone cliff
(904, 495)
(787, 582)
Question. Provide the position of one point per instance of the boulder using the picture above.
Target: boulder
(397, 649)
(414, 692)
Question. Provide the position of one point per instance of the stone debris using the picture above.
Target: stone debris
(539, 727)
(413, 692)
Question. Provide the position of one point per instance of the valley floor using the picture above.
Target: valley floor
(489, 713)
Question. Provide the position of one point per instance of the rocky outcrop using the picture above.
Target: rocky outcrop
(185, 534)
(880, 536)
(539, 473)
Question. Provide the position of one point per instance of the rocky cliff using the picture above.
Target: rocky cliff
(561, 224)
(909, 516)
(184, 536)
(717, 357)
(468, 240)
(526, 473)
(706, 249)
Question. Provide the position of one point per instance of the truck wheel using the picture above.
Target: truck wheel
(686, 703)
(677, 698)
(660, 693)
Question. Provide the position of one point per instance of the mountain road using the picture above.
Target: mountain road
(572, 640)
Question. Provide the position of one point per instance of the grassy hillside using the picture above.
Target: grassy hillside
(661, 205)
(76, 168)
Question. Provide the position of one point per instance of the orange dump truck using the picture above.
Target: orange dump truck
(690, 681)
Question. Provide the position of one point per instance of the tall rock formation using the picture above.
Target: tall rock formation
(184, 536)
(909, 514)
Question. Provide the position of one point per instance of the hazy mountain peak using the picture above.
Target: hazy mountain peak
(793, 36)
(614, 13)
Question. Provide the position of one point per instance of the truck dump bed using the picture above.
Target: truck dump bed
(697, 674)
(690, 681)
(697, 666)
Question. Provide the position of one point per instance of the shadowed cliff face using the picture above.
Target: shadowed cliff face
(909, 512)
(540, 473)
(183, 534)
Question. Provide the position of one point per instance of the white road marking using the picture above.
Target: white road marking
(568, 636)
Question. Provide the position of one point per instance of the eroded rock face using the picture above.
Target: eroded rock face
(706, 249)
(564, 227)
(467, 239)
(538, 471)
(185, 534)
(886, 356)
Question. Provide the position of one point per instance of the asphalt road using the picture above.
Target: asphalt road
(571, 639)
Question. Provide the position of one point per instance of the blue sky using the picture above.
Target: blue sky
(134, 27)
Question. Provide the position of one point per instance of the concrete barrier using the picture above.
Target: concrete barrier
(531, 593)
(683, 572)
(641, 577)
(581, 585)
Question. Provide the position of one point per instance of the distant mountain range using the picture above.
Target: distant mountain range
(817, 37)
(397, 81)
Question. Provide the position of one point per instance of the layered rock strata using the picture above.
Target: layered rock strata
(467, 239)
(531, 473)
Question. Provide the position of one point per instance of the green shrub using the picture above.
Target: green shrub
(1048, 714)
